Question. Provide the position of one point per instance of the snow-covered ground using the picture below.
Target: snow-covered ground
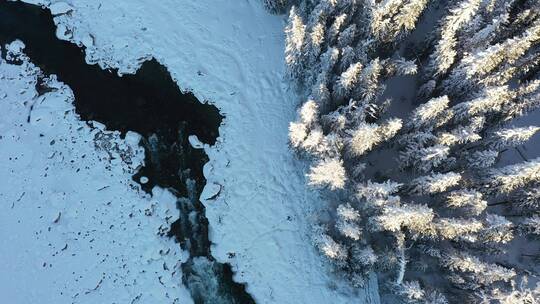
(74, 228)
(227, 52)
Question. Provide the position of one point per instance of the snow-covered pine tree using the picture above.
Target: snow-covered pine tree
(367, 136)
(466, 198)
(328, 173)
(411, 292)
(520, 293)
(294, 43)
(427, 190)
(348, 80)
(434, 183)
(412, 216)
(424, 159)
(445, 49)
(510, 178)
(331, 248)
(427, 115)
(511, 137)
(456, 228)
(481, 272)
(276, 6)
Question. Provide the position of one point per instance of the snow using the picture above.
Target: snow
(211, 191)
(195, 142)
(60, 8)
(74, 228)
(259, 208)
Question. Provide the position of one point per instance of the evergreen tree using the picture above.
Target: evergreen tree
(482, 159)
(428, 114)
(466, 198)
(276, 6)
(445, 50)
(417, 190)
(348, 80)
(512, 177)
(424, 159)
(328, 173)
(411, 291)
(512, 137)
(331, 249)
(295, 33)
(412, 216)
(434, 183)
(480, 272)
(456, 228)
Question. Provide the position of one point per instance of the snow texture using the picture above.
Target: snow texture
(74, 227)
(231, 54)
